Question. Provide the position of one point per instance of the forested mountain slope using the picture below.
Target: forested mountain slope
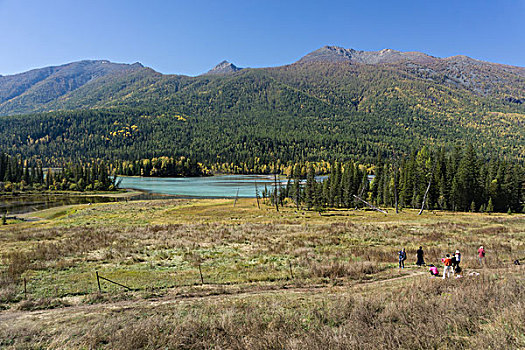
(332, 104)
(32, 90)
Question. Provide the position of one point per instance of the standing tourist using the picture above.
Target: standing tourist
(481, 255)
(420, 260)
(402, 257)
(458, 257)
(447, 261)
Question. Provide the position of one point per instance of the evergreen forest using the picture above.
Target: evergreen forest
(425, 180)
(17, 174)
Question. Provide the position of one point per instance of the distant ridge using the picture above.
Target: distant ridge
(480, 77)
(335, 54)
(25, 92)
(340, 54)
(101, 84)
(223, 68)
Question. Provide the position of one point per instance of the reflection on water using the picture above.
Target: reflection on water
(28, 203)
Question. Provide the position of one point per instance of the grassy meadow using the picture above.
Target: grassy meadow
(272, 280)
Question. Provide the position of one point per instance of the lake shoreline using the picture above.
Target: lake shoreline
(143, 188)
(116, 194)
(31, 202)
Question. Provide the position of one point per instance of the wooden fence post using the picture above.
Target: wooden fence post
(200, 272)
(25, 288)
(291, 271)
(98, 282)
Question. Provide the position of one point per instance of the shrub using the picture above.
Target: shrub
(17, 263)
(354, 270)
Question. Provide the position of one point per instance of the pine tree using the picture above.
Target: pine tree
(297, 184)
(310, 189)
(49, 178)
(346, 185)
(335, 185)
(467, 189)
(377, 182)
(490, 206)
(325, 197)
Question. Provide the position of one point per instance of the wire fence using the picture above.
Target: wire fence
(104, 282)
(204, 274)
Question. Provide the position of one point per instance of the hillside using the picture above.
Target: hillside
(334, 103)
(32, 90)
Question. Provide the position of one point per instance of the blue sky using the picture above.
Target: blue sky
(189, 37)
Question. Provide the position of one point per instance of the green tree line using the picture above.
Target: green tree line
(457, 180)
(17, 174)
(160, 167)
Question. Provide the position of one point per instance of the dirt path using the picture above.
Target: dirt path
(16, 315)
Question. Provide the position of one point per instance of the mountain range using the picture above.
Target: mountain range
(70, 86)
(367, 100)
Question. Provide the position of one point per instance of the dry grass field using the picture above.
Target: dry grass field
(272, 280)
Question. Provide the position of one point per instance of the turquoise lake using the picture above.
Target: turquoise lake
(218, 186)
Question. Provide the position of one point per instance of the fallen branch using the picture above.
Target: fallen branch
(370, 205)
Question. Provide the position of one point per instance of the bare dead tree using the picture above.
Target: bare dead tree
(257, 195)
(275, 194)
(395, 189)
(428, 188)
(236, 197)
(361, 192)
(395, 183)
(297, 187)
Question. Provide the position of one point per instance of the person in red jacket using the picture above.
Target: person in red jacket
(481, 255)
(447, 261)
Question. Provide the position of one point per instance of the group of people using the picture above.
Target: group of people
(403, 256)
(450, 263)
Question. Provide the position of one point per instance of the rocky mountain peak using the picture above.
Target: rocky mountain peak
(340, 54)
(223, 68)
